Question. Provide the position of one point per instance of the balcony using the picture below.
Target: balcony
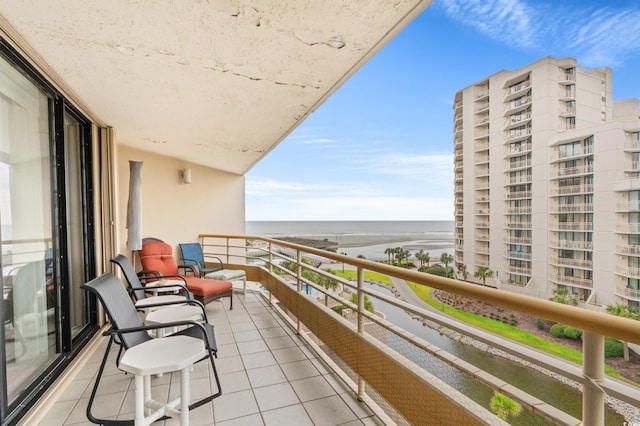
(518, 210)
(571, 281)
(514, 195)
(571, 208)
(574, 263)
(284, 355)
(629, 206)
(573, 171)
(571, 190)
(628, 249)
(510, 151)
(571, 244)
(573, 226)
(517, 240)
(628, 293)
(514, 165)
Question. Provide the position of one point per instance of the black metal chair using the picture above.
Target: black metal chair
(128, 330)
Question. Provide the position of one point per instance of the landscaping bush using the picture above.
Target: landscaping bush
(339, 308)
(434, 270)
(557, 330)
(613, 348)
(572, 333)
(539, 323)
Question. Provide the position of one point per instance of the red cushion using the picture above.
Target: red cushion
(158, 256)
(205, 287)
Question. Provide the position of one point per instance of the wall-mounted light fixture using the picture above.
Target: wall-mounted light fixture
(185, 175)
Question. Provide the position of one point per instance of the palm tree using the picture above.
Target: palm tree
(368, 305)
(420, 256)
(624, 311)
(503, 406)
(483, 272)
(389, 252)
(446, 258)
(561, 295)
(462, 269)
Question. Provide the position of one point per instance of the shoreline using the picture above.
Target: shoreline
(362, 240)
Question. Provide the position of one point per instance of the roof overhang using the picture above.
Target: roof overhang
(217, 83)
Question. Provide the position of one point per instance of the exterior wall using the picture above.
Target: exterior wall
(177, 212)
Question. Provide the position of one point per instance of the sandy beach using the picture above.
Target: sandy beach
(373, 246)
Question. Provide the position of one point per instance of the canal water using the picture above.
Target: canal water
(532, 381)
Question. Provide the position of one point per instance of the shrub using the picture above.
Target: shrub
(613, 348)
(539, 323)
(557, 330)
(514, 322)
(572, 333)
(339, 308)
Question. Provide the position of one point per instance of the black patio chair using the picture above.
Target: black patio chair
(128, 330)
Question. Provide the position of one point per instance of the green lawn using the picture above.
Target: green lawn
(368, 276)
(509, 332)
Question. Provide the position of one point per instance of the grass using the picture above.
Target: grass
(368, 276)
(509, 332)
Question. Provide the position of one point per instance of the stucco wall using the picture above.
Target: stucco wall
(174, 211)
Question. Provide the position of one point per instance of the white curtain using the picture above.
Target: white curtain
(134, 206)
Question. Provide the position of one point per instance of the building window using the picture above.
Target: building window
(570, 123)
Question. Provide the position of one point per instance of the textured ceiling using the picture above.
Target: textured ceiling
(218, 83)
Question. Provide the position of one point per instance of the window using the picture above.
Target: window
(570, 123)
(570, 91)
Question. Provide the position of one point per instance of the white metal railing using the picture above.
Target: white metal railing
(567, 261)
(243, 250)
(569, 171)
(571, 208)
(571, 281)
(571, 244)
(572, 189)
(573, 226)
(628, 249)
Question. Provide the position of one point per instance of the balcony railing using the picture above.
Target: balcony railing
(628, 293)
(571, 281)
(567, 261)
(571, 244)
(571, 208)
(373, 351)
(572, 189)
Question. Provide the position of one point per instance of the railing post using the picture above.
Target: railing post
(593, 371)
(361, 383)
(270, 267)
(299, 286)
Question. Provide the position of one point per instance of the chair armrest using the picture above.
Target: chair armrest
(193, 268)
(217, 258)
(144, 280)
(195, 325)
(180, 302)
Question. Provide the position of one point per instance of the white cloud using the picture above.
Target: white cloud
(604, 36)
(596, 36)
(353, 208)
(268, 187)
(318, 140)
(509, 21)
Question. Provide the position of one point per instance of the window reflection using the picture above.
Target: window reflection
(28, 299)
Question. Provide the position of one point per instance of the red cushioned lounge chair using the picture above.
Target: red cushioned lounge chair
(157, 261)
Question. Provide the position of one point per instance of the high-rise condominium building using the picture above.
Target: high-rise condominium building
(547, 183)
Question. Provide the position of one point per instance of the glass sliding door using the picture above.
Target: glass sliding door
(75, 230)
(28, 294)
(46, 234)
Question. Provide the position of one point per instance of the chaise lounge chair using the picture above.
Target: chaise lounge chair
(157, 261)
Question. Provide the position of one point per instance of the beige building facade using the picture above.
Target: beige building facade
(546, 183)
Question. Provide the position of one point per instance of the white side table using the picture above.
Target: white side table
(160, 356)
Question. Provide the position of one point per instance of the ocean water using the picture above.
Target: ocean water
(315, 228)
(433, 237)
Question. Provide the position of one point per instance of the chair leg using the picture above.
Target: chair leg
(90, 415)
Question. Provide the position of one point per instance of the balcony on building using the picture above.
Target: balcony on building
(571, 226)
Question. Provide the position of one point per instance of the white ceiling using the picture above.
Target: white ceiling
(218, 82)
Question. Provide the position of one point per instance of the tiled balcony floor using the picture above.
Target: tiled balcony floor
(269, 376)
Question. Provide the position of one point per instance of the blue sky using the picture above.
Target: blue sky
(381, 147)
